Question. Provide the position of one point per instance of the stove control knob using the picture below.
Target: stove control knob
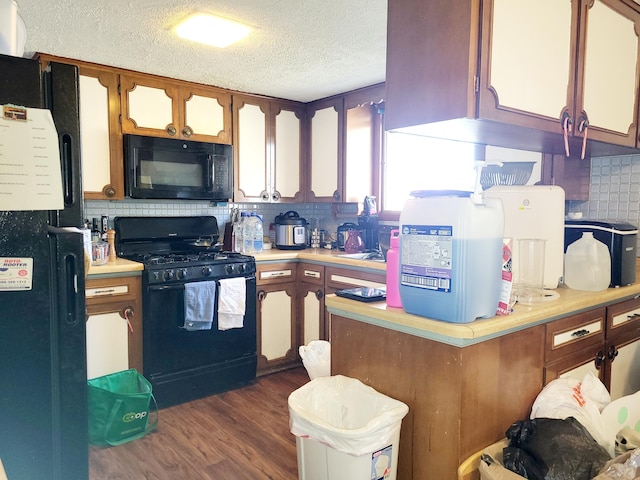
(168, 275)
(181, 274)
(241, 268)
(229, 269)
(206, 271)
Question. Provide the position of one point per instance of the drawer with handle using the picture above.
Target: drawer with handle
(569, 335)
(275, 273)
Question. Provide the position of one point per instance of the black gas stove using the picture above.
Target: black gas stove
(173, 268)
(167, 246)
(180, 363)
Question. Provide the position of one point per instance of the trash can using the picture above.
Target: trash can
(345, 429)
(119, 408)
(316, 358)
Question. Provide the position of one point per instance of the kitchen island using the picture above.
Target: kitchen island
(466, 383)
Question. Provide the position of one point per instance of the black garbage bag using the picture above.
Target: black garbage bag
(553, 449)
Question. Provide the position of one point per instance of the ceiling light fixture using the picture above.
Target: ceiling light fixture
(212, 30)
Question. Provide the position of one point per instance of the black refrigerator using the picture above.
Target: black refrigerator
(43, 379)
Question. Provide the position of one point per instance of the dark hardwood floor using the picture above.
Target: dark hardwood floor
(238, 435)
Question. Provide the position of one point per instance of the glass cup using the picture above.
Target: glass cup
(529, 285)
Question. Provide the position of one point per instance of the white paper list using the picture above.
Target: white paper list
(30, 176)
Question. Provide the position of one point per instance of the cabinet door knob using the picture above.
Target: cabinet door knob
(567, 122)
(187, 131)
(171, 130)
(319, 294)
(109, 191)
(599, 359)
(127, 313)
(262, 295)
(275, 196)
(265, 196)
(336, 195)
(612, 353)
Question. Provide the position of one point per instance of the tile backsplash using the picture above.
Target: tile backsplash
(614, 195)
(315, 213)
(614, 190)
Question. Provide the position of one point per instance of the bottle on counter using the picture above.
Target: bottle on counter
(238, 230)
(258, 233)
(587, 264)
(393, 270)
(248, 228)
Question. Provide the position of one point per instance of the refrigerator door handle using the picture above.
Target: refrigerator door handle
(66, 152)
(70, 274)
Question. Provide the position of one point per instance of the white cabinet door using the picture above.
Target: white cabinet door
(94, 125)
(107, 344)
(610, 67)
(325, 154)
(276, 324)
(203, 115)
(311, 311)
(251, 151)
(150, 107)
(531, 55)
(100, 141)
(625, 370)
(286, 165)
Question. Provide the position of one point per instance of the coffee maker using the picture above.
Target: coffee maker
(368, 223)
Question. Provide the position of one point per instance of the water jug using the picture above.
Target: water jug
(587, 264)
(451, 255)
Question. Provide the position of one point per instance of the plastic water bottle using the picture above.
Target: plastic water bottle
(247, 234)
(237, 229)
(393, 270)
(587, 264)
(258, 232)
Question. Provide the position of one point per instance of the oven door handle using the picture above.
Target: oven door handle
(160, 288)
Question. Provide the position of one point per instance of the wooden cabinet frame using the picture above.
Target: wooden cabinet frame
(122, 295)
(273, 279)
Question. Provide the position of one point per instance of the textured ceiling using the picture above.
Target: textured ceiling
(299, 49)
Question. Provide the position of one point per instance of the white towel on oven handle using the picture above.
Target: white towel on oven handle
(231, 303)
(199, 304)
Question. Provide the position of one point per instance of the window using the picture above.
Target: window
(413, 162)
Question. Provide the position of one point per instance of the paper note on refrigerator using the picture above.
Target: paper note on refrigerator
(30, 172)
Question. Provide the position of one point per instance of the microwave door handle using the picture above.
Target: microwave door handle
(209, 173)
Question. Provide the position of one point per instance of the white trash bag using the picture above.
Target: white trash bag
(345, 414)
(316, 358)
(582, 399)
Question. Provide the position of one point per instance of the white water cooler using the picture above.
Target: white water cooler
(534, 211)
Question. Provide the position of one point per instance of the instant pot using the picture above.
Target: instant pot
(291, 231)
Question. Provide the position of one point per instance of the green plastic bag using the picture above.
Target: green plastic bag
(119, 408)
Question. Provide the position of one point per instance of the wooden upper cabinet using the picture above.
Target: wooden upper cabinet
(268, 149)
(608, 66)
(100, 135)
(542, 65)
(101, 140)
(325, 169)
(159, 107)
(569, 60)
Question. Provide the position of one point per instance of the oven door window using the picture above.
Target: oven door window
(168, 347)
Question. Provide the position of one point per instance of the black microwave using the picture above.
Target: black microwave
(167, 168)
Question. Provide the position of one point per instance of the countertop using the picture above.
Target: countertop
(569, 302)
(314, 255)
(119, 266)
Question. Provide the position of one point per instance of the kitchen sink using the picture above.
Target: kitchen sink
(369, 256)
